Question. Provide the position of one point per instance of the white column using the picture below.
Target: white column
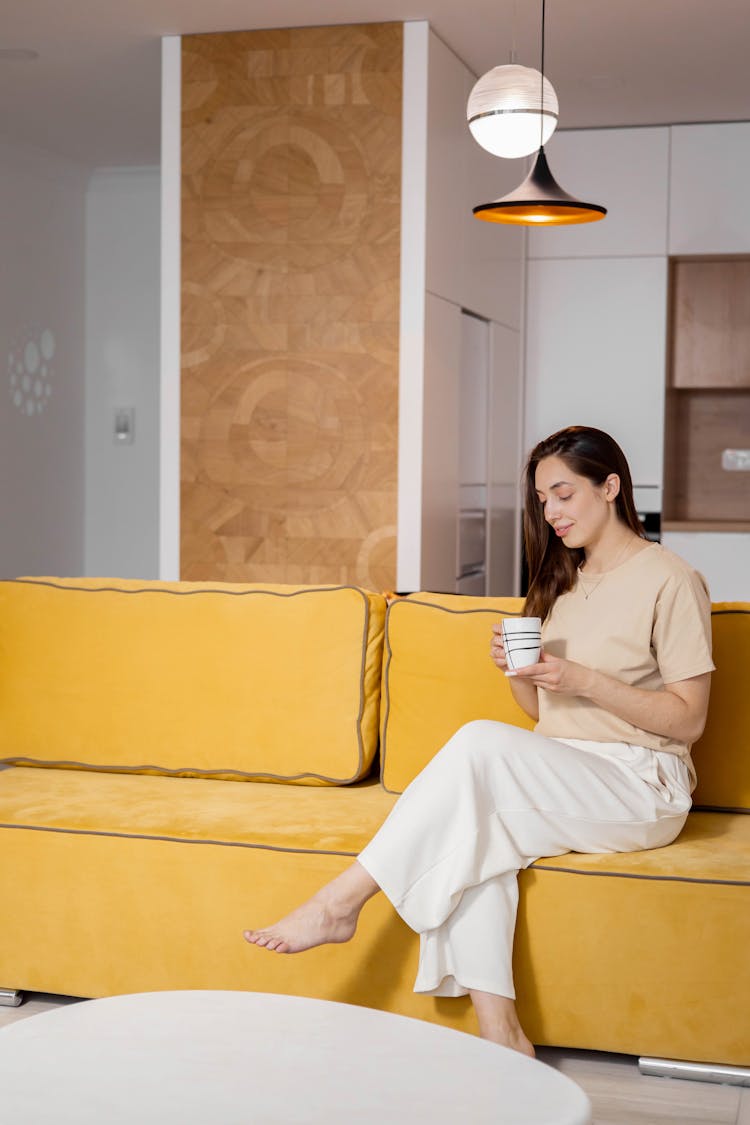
(412, 311)
(169, 466)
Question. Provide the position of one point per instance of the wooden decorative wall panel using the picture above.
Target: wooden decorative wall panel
(291, 149)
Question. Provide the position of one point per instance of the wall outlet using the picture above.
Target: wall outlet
(736, 460)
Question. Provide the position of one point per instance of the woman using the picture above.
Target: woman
(619, 694)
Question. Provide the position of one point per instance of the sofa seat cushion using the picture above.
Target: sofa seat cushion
(194, 810)
(712, 848)
(277, 683)
(642, 952)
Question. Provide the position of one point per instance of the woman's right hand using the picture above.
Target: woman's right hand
(497, 648)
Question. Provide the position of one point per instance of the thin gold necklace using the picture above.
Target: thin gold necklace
(587, 593)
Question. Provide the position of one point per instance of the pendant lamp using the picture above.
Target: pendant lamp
(539, 200)
(505, 114)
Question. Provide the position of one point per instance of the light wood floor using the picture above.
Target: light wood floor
(619, 1093)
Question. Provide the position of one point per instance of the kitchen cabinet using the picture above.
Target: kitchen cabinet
(627, 171)
(707, 422)
(709, 175)
(723, 558)
(595, 340)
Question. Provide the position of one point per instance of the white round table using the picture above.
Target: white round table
(241, 1058)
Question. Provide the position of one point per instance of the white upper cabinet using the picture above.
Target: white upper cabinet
(596, 332)
(626, 171)
(476, 265)
(493, 252)
(445, 199)
(722, 558)
(710, 174)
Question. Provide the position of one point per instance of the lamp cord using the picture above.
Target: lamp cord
(513, 52)
(541, 91)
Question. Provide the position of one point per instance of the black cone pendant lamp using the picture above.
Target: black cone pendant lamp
(539, 200)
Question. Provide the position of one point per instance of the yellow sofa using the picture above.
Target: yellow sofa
(183, 760)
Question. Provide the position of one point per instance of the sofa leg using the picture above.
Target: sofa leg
(10, 997)
(696, 1072)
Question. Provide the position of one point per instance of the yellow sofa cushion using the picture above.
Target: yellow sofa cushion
(140, 883)
(437, 676)
(237, 681)
(643, 952)
(712, 848)
(126, 884)
(328, 819)
(722, 754)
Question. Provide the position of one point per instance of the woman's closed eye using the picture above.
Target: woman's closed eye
(558, 497)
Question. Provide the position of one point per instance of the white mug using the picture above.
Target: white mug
(522, 638)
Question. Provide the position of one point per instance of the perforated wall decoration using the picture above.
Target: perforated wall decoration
(31, 373)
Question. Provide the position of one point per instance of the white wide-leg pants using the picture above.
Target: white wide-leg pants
(493, 800)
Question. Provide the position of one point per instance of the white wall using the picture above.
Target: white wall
(122, 370)
(440, 497)
(41, 363)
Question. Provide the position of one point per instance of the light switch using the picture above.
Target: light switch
(124, 425)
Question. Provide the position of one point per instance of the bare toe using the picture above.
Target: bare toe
(314, 923)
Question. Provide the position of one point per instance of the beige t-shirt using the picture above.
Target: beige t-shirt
(646, 623)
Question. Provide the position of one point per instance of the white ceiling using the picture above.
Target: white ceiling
(93, 93)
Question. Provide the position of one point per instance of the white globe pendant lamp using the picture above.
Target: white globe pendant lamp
(504, 112)
(539, 199)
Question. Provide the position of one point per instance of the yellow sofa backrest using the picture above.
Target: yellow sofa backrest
(276, 683)
(437, 675)
(722, 754)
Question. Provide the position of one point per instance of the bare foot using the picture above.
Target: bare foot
(511, 1037)
(331, 915)
(317, 922)
(499, 1022)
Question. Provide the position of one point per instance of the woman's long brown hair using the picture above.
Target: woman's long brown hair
(552, 566)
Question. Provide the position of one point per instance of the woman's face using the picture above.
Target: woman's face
(577, 510)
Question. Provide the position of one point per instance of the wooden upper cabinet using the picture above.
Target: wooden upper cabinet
(710, 323)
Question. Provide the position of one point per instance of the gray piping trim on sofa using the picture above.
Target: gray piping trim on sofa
(720, 808)
(173, 839)
(648, 878)
(357, 776)
(409, 600)
(537, 866)
(190, 772)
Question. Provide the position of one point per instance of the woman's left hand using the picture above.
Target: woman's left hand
(564, 677)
